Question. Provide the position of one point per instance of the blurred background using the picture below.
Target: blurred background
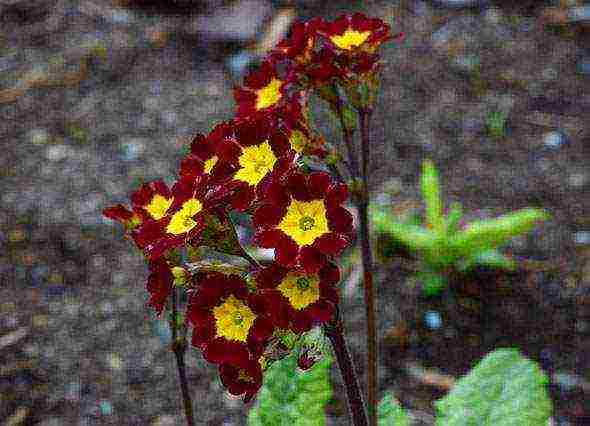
(97, 96)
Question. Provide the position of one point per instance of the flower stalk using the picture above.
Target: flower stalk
(355, 399)
(367, 258)
(179, 348)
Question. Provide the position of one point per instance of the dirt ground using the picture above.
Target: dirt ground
(94, 100)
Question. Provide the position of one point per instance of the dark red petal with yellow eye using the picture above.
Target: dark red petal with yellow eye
(330, 274)
(261, 330)
(243, 196)
(340, 220)
(268, 215)
(337, 195)
(203, 330)
(301, 323)
(191, 167)
(119, 213)
(159, 284)
(318, 184)
(142, 196)
(270, 276)
(297, 186)
(220, 350)
(149, 232)
(321, 311)
(286, 250)
(248, 383)
(310, 259)
(331, 244)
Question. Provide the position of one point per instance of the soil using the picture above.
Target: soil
(78, 345)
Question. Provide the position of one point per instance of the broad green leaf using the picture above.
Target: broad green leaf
(290, 397)
(487, 234)
(491, 258)
(413, 236)
(390, 412)
(430, 185)
(504, 389)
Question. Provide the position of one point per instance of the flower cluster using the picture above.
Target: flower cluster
(253, 164)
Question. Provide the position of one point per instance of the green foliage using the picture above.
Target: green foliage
(443, 245)
(390, 412)
(291, 397)
(503, 389)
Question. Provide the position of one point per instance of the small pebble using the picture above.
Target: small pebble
(432, 320)
(566, 381)
(57, 152)
(554, 140)
(38, 136)
(582, 238)
(578, 180)
(106, 408)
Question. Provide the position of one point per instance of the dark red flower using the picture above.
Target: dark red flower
(242, 380)
(230, 324)
(184, 221)
(260, 154)
(298, 300)
(264, 90)
(150, 202)
(122, 214)
(304, 221)
(356, 32)
(159, 284)
(204, 159)
(299, 45)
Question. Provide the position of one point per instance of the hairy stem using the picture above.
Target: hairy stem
(367, 258)
(179, 349)
(243, 253)
(353, 390)
(348, 140)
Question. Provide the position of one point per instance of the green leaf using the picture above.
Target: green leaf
(290, 397)
(390, 412)
(491, 258)
(488, 234)
(431, 192)
(453, 218)
(504, 389)
(413, 236)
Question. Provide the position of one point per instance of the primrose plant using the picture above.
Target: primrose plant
(445, 244)
(247, 315)
(242, 314)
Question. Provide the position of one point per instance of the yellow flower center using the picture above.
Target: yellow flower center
(305, 221)
(210, 163)
(255, 163)
(245, 377)
(301, 290)
(350, 39)
(298, 141)
(182, 221)
(233, 319)
(269, 94)
(158, 206)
